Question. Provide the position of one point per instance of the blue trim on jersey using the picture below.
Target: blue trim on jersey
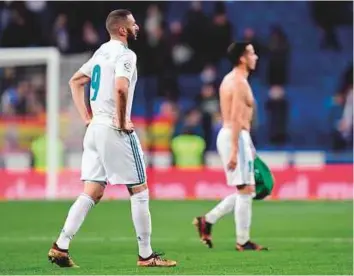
(137, 160)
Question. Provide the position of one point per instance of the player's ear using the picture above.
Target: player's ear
(122, 30)
(243, 59)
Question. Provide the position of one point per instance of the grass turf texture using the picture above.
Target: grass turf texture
(304, 238)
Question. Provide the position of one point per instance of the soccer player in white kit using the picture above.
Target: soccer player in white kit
(112, 152)
(235, 147)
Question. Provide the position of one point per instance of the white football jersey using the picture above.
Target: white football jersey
(113, 59)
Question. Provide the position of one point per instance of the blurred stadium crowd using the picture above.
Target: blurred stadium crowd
(303, 84)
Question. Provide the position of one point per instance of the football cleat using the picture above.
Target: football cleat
(251, 246)
(204, 231)
(60, 257)
(155, 260)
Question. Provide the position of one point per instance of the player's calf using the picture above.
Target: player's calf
(142, 224)
(243, 213)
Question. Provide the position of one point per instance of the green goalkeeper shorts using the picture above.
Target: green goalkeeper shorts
(263, 178)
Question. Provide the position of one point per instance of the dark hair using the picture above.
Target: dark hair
(115, 17)
(235, 51)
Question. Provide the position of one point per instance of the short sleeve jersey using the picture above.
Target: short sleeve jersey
(112, 60)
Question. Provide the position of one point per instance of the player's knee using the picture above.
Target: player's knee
(95, 190)
(98, 198)
(135, 190)
(245, 189)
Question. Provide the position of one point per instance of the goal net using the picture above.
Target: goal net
(41, 132)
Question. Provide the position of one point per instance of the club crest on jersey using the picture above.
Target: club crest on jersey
(128, 66)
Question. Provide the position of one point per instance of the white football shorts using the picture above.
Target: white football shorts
(112, 155)
(244, 172)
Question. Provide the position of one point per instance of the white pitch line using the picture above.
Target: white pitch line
(132, 238)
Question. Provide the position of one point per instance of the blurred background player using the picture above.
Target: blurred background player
(112, 151)
(235, 147)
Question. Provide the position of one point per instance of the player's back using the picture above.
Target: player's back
(226, 97)
(105, 63)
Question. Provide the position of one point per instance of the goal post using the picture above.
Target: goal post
(49, 56)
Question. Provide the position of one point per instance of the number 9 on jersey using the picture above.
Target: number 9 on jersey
(95, 81)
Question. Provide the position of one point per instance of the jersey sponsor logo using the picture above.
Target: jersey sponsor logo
(128, 66)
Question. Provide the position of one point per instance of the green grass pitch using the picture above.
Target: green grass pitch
(304, 238)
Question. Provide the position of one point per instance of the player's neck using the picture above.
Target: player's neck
(121, 39)
(242, 71)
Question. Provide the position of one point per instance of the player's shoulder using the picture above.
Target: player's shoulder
(233, 81)
(102, 50)
(129, 53)
(125, 55)
(225, 82)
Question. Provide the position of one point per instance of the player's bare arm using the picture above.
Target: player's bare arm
(237, 109)
(77, 86)
(121, 95)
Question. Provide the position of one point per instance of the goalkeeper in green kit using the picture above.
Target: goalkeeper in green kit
(235, 147)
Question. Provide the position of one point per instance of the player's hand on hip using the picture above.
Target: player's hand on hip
(87, 122)
(231, 165)
(128, 126)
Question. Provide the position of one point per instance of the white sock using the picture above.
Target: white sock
(243, 215)
(74, 220)
(142, 221)
(224, 207)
